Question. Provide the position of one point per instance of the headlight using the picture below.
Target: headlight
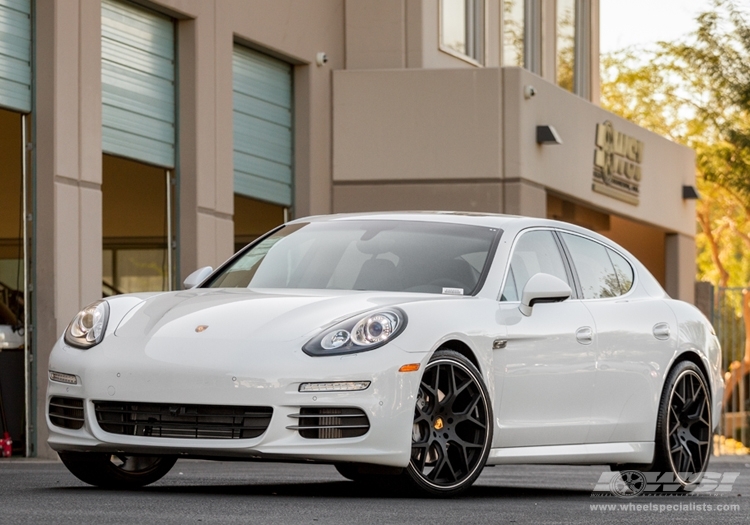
(358, 334)
(87, 328)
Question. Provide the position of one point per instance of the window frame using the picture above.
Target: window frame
(606, 247)
(571, 275)
(582, 61)
(462, 56)
(570, 268)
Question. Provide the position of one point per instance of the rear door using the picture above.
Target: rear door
(636, 339)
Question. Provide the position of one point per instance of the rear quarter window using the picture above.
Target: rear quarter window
(601, 272)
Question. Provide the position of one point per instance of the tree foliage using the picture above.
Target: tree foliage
(696, 91)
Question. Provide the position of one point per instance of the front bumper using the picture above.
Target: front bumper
(116, 371)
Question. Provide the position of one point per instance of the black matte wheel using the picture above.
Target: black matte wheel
(117, 471)
(683, 428)
(687, 432)
(452, 430)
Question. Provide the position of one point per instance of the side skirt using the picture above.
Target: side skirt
(586, 454)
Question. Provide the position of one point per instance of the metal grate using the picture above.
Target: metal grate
(330, 423)
(182, 421)
(66, 412)
(728, 315)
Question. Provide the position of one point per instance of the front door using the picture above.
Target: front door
(547, 367)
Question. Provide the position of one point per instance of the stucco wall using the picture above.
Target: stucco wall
(416, 125)
(68, 152)
(567, 169)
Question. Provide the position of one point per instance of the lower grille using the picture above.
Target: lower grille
(182, 421)
(330, 423)
(66, 412)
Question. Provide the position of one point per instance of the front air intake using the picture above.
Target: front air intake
(330, 423)
(182, 421)
(66, 412)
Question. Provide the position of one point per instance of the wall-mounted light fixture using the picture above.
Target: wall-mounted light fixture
(547, 135)
(689, 192)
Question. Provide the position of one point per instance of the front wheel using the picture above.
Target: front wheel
(117, 471)
(452, 430)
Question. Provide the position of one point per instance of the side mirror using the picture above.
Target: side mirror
(197, 277)
(543, 288)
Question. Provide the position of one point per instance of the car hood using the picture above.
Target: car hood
(251, 316)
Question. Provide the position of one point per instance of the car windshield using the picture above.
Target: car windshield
(380, 255)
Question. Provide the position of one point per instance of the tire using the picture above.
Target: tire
(452, 430)
(683, 429)
(111, 471)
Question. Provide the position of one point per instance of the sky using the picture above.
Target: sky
(636, 22)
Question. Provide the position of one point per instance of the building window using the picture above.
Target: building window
(522, 36)
(572, 42)
(462, 29)
(513, 33)
(566, 43)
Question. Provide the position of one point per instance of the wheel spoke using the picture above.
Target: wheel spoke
(449, 466)
(464, 456)
(679, 391)
(465, 444)
(471, 407)
(687, 458)
(676, 420)
(436, 385)
(422, 451)
(439, 464)
(450, 396)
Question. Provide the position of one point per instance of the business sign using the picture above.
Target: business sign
(617, 164)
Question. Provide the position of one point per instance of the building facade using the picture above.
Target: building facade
(144, 139)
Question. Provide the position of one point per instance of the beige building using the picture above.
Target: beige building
(144, 139)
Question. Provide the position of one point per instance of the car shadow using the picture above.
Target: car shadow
(336, 489)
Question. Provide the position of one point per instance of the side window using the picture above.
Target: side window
(535, 252)
(623, 270)
(594, 267)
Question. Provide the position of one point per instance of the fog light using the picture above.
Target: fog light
(337, 386)
(59, 377)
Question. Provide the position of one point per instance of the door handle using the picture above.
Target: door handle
(661, 331)
(585, 335)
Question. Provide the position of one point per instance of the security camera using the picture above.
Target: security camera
(528, 92)
(321, 58)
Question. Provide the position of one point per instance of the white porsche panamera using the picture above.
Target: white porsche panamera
(419, 345)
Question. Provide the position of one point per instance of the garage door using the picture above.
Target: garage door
(138, 84)
(15, 55)
(262, 127)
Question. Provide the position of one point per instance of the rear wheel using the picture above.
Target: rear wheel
(117, 471)
(452, 430)
(683, 428)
